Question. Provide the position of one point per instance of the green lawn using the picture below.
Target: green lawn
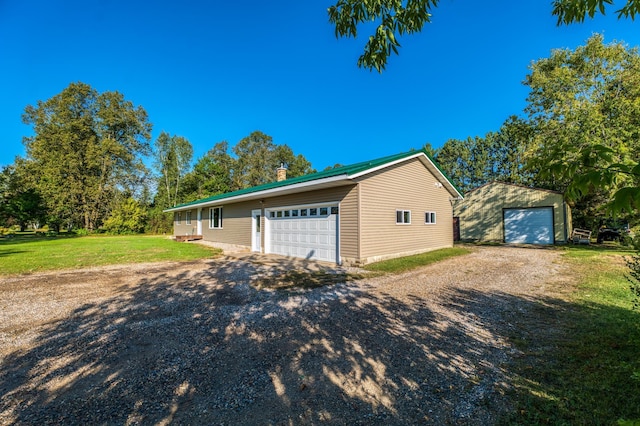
(25, 254)
(589, 371)
(403, 264)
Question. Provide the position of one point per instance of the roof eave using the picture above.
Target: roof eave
(282, 190)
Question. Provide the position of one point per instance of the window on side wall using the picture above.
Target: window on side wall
(188, 218)
(215, 218)
(178, 217)
(430, 218)
(403, 217)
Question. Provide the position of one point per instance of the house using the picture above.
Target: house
(511, 213)
(388, 207)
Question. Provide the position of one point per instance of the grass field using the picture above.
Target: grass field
(30, 253)
(403, 264)
(588, 372)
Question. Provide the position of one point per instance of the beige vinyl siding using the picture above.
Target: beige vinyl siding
(405, 186)
(236, 223)
(183, 228)
(481, 212)
(346, 196)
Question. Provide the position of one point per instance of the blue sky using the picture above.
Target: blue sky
(214, 70)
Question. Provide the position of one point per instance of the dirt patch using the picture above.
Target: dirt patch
(198, 343)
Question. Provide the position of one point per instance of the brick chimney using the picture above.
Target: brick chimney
(282, 173)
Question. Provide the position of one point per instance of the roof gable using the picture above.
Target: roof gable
(332, 177)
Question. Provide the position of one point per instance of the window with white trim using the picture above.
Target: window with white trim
(178, 217)
(188, 218)
(403, 217)
(215, 218)
(430, 218)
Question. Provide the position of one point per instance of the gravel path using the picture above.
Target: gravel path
(193, 342)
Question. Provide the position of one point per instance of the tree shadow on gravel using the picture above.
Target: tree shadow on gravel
(205, 347)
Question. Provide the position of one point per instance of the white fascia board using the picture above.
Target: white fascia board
(421, 155)
(264, 193)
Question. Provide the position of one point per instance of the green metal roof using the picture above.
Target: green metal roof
(349, 170)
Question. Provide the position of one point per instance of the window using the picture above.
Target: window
(286, 213)
(313, 212)
(188, 219)
(178, 217)
(403, 217)
(272, 214)
(294, 213)
(334, 210)
(215, 218)
(324, 211)
(430, 218)
(303, 212)
(279, 213)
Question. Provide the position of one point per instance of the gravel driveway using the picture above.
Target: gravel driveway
(193, 342)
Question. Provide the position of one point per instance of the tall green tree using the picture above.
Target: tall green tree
(211, 175)
(20, 204)
(86, 147)
(257, 157)
(496, 156)
(173, 159)
(584, 107)
(394, 18)
(252, 165)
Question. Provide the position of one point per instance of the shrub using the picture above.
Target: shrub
(127, 218)
(633, 264)
(5, 231)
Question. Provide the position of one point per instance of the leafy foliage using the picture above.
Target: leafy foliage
(128, 217)
(257, 159)
(570, 11)
(584, 107)
(498, 156)
(211, 175)
(633, 263)
(173, 159)
(19, 203)
(394, 18)
(86, 147)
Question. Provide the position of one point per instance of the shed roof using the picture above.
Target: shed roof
(495, 182)
(325, 179)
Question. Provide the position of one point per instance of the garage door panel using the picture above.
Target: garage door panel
(528, 226)
(303, 236)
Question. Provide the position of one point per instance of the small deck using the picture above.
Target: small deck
(184, 238)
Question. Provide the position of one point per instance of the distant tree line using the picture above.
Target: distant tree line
(84, 167)
(580, 134)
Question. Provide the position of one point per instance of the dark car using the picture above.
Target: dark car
(613, 231)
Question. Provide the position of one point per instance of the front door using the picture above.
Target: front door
(256, 241)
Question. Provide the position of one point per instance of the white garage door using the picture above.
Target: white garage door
(310, 232)
(528, 226)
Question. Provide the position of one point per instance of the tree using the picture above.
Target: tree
(584, 107)
(297, 165)
(19, 204)
(257, 159)
(128, 217)
(570, 11)
(211, 175)
(173, 159)
(394, 18)
(86, 147)
(497, 156)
